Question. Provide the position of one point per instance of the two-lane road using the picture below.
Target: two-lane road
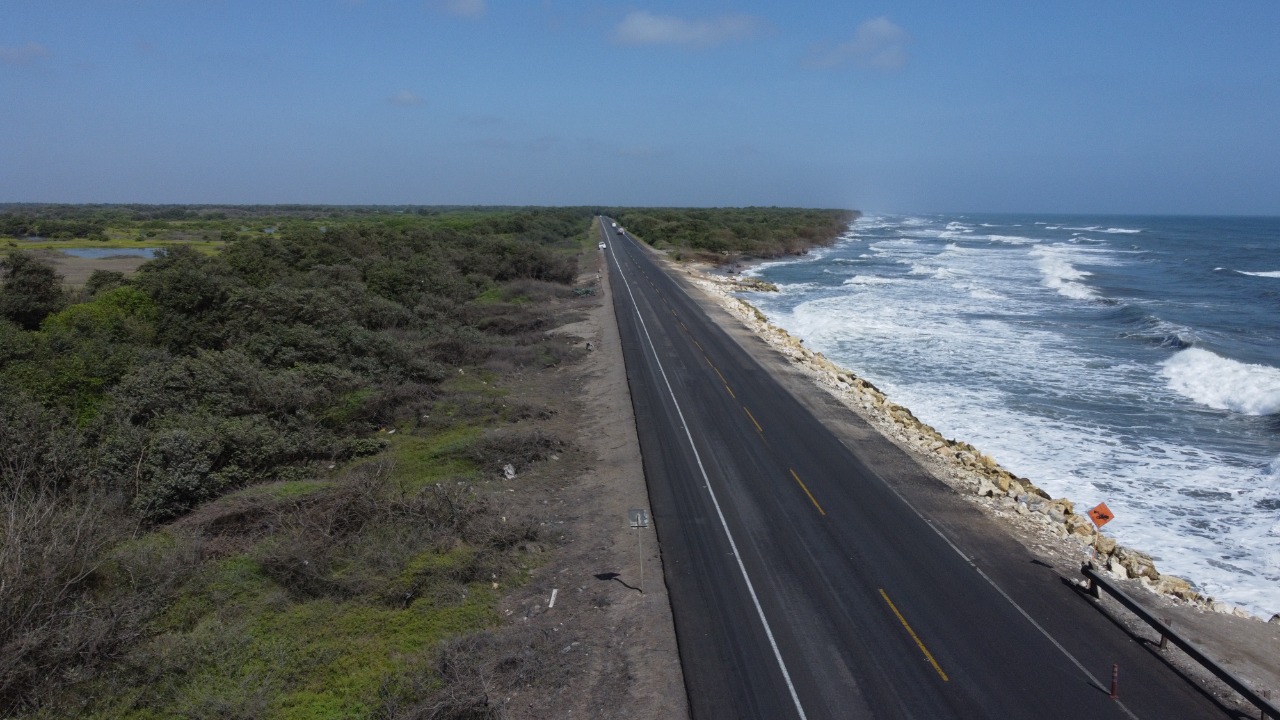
(804, 585)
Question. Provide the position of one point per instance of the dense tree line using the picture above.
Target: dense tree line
(33, 226)
(751, 232)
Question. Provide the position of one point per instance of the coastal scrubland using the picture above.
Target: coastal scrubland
(254, 478)
(725, 235)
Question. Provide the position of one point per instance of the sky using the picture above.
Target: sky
(1078, 107)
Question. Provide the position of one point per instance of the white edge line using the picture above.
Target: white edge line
(1097, 683)
(723, 524)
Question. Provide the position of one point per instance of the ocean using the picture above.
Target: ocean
(1127, 360)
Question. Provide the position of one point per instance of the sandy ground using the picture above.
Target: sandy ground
(616, 643)
(76, 271)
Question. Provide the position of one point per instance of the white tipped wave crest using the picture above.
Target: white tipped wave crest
(1222, 383)
(1060, 275)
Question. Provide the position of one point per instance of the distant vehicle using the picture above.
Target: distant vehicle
(615, 224)
(601, 246)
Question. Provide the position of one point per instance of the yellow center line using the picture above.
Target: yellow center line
(806, 492)
(726, 382)
(928, 655)
(753, 420)
(695, 343)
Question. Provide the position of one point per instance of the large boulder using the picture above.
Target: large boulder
(1080, 525)
(1138, 564)
(1105, 545)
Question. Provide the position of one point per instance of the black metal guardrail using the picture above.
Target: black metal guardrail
(1167, 635)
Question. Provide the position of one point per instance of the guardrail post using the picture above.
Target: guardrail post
(1164, 639)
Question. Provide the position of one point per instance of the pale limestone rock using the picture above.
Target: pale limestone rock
(1105, 545)
(1080, 526)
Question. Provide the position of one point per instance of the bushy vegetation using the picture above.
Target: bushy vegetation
(182, 489)
(718, 234)
(242, 483)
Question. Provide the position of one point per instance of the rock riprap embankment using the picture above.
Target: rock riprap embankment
(963, 466)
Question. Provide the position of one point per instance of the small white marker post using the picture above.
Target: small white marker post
(639, 520)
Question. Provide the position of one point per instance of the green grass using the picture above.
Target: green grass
(251, 653)
(207, 247)
(285, 490)
(477, 381)
(426, 460)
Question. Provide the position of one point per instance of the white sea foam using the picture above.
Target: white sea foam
(870, 280)
(955, 329)
(1111, 231)
(1222, 383)
(1059, 274)
(1012, 239)
(1269, 274)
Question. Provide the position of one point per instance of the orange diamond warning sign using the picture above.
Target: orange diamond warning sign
(1101, 515)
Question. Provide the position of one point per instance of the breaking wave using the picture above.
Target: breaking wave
(1222, 383)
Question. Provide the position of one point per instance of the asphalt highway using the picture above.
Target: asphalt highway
(805, 585)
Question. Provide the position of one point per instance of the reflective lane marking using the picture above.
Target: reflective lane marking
(713, 367)
(753, 420)
(724, 524)
(806, 491)
(928, 655)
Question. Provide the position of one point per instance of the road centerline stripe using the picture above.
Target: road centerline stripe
(928, 655)
(805, 488)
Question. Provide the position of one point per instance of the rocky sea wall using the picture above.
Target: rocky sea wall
(962, 466)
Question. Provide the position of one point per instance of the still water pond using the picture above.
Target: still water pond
(99, 253)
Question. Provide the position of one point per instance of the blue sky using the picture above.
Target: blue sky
(1130, 107)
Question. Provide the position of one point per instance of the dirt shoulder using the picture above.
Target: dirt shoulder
(965, 484)
(615, 645)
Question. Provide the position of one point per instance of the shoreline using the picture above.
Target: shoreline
(1013, 499)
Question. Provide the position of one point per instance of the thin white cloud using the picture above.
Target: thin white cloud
(645, 28)
(406, 98)
(28, 54)
(461, 8)
(877, 44)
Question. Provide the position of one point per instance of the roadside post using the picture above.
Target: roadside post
(639, 519)
(1100, 515)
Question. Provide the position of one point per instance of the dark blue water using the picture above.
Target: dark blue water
(1131, 360)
